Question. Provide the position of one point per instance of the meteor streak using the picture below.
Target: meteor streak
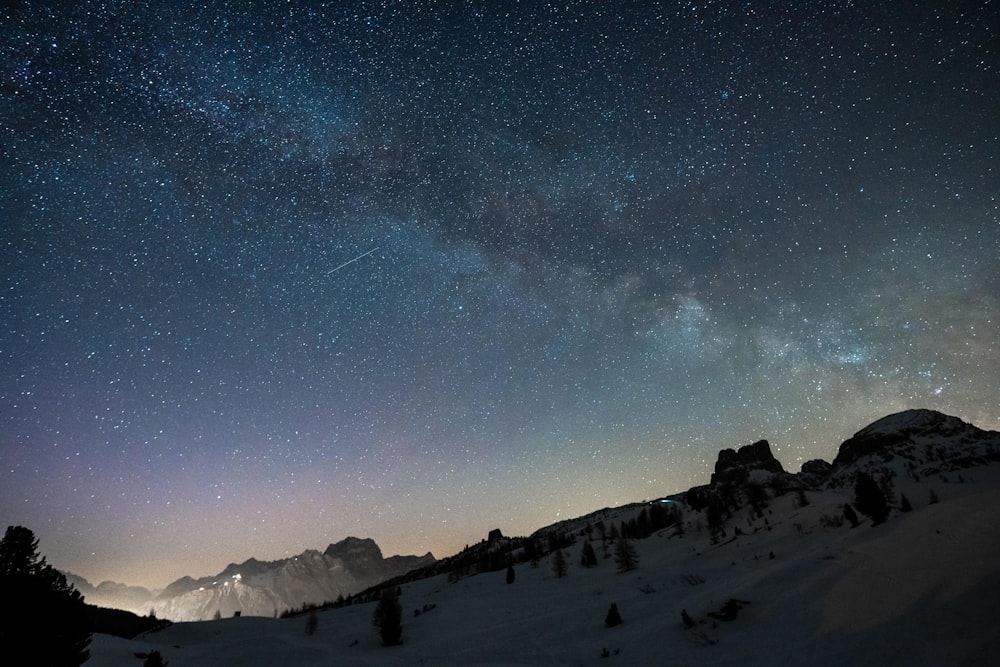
(351, 261)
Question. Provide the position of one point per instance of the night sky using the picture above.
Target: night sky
(278, 273)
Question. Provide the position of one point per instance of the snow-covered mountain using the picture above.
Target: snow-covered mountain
(910, 451)
(259, 588)
(758, 567)
(918, 444)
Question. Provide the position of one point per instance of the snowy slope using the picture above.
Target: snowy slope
(918, 589)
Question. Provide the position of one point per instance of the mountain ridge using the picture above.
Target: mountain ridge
(771, 569)
(903, 445)
(260, 588)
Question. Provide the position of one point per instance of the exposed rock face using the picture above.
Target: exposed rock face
(735, 466)
(355, 549)
(257, 588)
(741, 476)
(814, 472)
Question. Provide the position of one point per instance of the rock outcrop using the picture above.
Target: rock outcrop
(735, 466)
(814, 472)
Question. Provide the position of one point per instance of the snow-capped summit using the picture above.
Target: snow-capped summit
(260, 588)
(925, 441)
(910, 421)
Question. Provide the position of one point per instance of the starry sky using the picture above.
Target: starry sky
(276, 273)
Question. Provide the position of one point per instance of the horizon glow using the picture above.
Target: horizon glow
(275, 278)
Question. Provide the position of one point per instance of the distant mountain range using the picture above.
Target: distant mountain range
(904, 451)
(112, 595)
(261, 588)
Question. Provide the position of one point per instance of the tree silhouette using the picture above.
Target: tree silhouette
(643, 525)
(43, 619)
(154, 659)
(626, 557)
(613, 618)
(679, 525)
(587, 556)
(758, 497)
(559, 565)
(904, 504)
(888, 488)
(869, 499)
(851, 515)
(715, 514)
(389, 618)
(660, 517)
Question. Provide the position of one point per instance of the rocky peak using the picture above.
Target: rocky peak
(734, 466)
(355, 549)
(902, 429)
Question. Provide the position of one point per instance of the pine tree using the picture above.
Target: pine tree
(388, 618)
(559, 565)
(904, 504)
(588, 558)
(154, 659)
(626, 557)
(658, 517)
(613, 618)
(850, 515)
(758, 497)
(715, 513)
(888, 488)
(642, 527)
(43, 619)
(679, 525)
(869, 499)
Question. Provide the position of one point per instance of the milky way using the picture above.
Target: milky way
(278, 273)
